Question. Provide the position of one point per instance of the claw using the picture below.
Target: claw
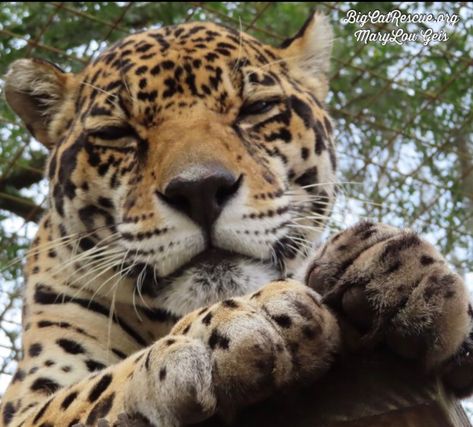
(458, 370)
(358, 309)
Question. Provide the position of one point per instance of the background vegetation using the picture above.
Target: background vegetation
(403, 117)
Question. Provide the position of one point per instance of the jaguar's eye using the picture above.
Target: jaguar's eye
(258, 107)
(113, 132)
(114, 136)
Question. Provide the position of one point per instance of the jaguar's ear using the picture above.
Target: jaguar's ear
(308, 53)
(35, 89)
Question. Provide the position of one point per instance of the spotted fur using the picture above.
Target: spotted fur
(153, 304)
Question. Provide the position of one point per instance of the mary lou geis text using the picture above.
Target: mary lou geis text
(398, 35)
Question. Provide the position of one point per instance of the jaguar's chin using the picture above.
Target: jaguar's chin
(213, 276)
(215, 263)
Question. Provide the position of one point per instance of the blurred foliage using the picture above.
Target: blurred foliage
(402, 112)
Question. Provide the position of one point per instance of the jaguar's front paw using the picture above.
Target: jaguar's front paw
(259, 343)
(395, 288)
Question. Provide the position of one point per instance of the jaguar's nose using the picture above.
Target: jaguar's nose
(201, 192)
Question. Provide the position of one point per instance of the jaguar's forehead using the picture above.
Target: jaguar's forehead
(188, 44)
(174, 67)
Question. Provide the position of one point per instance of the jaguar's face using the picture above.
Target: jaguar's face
(197, 156)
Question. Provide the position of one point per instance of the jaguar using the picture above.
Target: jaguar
(179, 272)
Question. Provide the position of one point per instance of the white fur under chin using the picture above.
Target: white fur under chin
(201, 286)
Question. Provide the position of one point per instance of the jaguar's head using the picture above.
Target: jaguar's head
(199, 157)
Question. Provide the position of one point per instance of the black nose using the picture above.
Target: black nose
(201, 192)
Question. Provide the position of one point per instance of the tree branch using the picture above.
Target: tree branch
(25, 176)
(21, 179)
(21, 206)
(18, 178)
(465, 158)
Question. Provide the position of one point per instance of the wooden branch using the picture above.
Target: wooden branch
(18, 178)
(364, 391)
(25, 175)
(21, 206)
(21, 178)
